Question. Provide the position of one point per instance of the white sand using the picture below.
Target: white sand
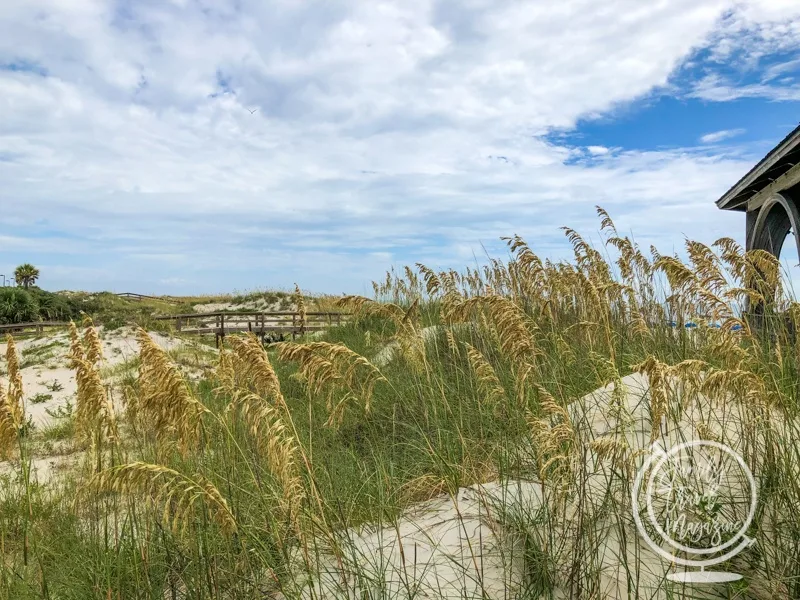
(44, 469)
(456, 548)
(47, 377)
(260, 304)
(446, 547)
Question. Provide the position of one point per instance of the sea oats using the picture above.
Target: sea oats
(250, 367)
(333, 366)
(9, 424)
(300, 307)
(180, 495)
(15, 393)
(166, 402)
(407, 323)
(612, 448)
(276, 443)
(94, 410)
(91, 342)
(512, 324)
(489, 387)
(657, 373)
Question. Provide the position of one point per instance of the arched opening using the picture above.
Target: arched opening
(777, 224)
(790, 274)
(776, 218)
(790, 266)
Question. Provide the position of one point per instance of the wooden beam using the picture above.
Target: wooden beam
(286, 313)
(781, 184)
(43, 324)
(139, 297)
(229, 329)
(784, 148)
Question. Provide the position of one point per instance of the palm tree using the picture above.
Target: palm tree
(26, 275)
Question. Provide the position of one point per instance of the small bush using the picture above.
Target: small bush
(65, 411)
(52, 307)
(54, 386)
(41, 398)
(64, 429)
(17, 306)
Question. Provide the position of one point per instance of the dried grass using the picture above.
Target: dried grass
(333, 367)
(276, 443)
(94, 410)
(248, 366)
(180, 495)
(489, 386)
(165, 403)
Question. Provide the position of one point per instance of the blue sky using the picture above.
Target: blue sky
(383, 133)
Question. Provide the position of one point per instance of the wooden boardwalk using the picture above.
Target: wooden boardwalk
(139, 297)
(30, 327)
(258, 322)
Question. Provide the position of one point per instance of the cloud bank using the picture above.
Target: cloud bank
(198, 145)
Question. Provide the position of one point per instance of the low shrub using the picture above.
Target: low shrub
(17, 306)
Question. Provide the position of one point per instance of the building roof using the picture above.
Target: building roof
(777, 162)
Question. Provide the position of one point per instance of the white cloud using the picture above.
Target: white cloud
(718, 136)
(597, 150)
(755, 30)
(372, 138)
(718, 89)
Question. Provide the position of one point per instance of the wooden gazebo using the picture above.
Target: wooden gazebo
(769, 195)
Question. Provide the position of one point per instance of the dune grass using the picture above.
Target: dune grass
(235, 486)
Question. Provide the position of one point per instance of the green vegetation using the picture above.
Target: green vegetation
(62, 412)
(33, 304)
(63, 429)
(42, 353)
(40, 398)
(234, 487)
(17, 306)
(53, 307)
(54, 386)
(267, 296)
(113, 312)
(28, 305)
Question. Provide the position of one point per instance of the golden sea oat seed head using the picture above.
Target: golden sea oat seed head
(91, 342)
(181, 495)
(489, 385)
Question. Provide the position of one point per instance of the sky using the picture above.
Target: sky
(207, 146)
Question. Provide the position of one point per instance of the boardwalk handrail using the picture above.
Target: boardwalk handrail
(135, 296)
(267, 313)
(255, 321)
(39, 325)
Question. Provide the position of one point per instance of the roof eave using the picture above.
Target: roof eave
(774, 156)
